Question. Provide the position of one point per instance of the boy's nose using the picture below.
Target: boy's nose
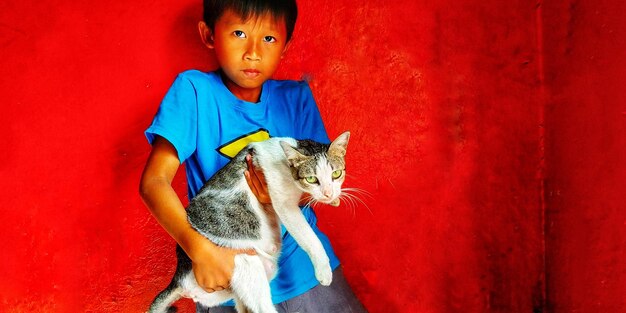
(252, 52)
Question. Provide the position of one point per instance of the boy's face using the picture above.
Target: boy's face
(248, 51)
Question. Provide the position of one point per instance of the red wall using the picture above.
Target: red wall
(585, 153)
(465, 115)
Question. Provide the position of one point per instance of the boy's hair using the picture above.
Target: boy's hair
(278, 9)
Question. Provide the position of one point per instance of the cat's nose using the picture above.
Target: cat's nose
(327, 193)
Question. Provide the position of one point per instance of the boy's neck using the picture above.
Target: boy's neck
(245, 94)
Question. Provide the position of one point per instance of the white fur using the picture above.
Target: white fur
(249, 285)
(252, 273)
(326, 183)
(285, 197)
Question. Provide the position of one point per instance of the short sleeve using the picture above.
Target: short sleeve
(311, 124)
(176, 119)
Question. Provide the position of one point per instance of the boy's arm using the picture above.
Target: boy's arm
(212, 265)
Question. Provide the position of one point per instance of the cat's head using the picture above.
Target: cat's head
(319, 169)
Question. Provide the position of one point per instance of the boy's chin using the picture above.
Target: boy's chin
(251, 82)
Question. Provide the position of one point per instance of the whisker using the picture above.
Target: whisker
(310, 201)
(359, 191)
(353, 199)
(364, 204)
(353, 209)
(349, 203)
(348, 175)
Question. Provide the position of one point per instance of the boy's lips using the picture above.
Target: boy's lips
(251, 73)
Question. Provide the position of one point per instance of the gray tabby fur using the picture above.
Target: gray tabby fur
(227, 212)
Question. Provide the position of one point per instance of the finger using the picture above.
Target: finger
(249, 251)
(251, 168)
(250, 182)
(254, 187)
(261, 177)
(257, 174)
(209, 290)
(250, 164)
(256, 179)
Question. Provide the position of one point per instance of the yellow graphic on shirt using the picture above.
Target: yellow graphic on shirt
(230, 149)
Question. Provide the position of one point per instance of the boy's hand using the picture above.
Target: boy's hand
(213, 266)
(256, 181)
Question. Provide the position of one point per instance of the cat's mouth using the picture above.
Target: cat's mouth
(329, 201)
(334, 202)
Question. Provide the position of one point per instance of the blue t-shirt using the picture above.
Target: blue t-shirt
(207, 124)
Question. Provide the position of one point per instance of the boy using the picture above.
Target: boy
(207, 117)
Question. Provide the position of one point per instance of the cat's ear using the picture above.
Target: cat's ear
(339, 145)
(294, 157)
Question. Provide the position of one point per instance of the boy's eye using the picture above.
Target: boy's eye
(269, 39)
(336, 174)
(311, 179)
(239, 34)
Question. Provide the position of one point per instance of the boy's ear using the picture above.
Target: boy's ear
(206, 34)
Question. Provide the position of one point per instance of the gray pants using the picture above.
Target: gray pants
(336, 298)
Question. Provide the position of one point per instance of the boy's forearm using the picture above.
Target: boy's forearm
(166, 207)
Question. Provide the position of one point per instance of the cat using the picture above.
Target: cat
(227, 212)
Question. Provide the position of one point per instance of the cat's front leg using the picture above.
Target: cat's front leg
(300, 230)
(323, 271)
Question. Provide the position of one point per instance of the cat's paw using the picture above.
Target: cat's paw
(324, 274)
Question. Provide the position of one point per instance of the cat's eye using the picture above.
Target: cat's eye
(336, 174)
(311, 179)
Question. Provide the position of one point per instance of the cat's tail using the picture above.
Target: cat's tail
(164, 300)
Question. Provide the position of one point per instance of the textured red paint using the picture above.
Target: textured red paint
(446, 102)
(586, 151)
